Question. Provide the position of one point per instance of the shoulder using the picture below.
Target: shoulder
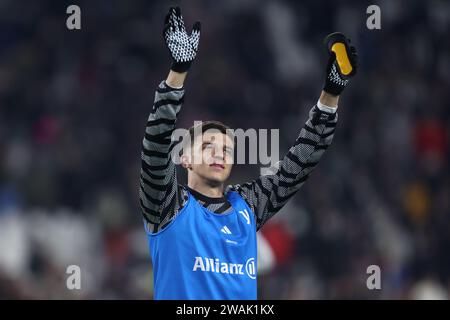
(237, 190)
(230, 189)
(183, 194)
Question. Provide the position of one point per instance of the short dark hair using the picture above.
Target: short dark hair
(205, 125)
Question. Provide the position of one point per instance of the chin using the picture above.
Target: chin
(214, 180)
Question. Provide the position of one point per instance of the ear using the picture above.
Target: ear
(185, 163)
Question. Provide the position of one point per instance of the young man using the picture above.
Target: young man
(202, 236)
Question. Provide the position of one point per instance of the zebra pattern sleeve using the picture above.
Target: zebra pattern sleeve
(267, 194)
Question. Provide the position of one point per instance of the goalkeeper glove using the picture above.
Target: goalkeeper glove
(342, 63)
(182, 47)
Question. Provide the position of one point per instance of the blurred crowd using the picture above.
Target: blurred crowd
(74, 104)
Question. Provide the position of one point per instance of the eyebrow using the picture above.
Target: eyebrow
(225, 147)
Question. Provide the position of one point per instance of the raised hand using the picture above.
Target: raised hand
(342, 63)
(182, 47)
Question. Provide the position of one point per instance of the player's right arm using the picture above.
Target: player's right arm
(158, 180)
(158, 187)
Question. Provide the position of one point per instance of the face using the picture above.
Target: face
(211, 158)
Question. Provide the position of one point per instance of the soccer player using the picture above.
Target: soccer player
(202, 236)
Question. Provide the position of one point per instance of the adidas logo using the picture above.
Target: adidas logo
(225, 230)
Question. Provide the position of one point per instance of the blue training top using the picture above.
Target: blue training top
(202, 255)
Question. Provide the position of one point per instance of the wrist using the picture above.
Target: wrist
(180, 67)
(329, 100)
(176, 79)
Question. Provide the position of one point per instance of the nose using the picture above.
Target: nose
(218, 155)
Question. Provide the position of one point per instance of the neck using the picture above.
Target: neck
(207, 190)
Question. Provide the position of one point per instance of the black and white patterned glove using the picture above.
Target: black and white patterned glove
(342, 63)
(183, 47)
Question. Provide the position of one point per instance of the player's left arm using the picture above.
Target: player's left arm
(267, 194)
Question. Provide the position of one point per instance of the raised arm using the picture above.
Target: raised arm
(158, 192)
(267, 194)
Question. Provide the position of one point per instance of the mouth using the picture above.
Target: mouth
(217, 165)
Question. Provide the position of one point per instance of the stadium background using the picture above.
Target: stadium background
(73, 106)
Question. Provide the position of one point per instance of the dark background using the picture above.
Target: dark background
(73, 107)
